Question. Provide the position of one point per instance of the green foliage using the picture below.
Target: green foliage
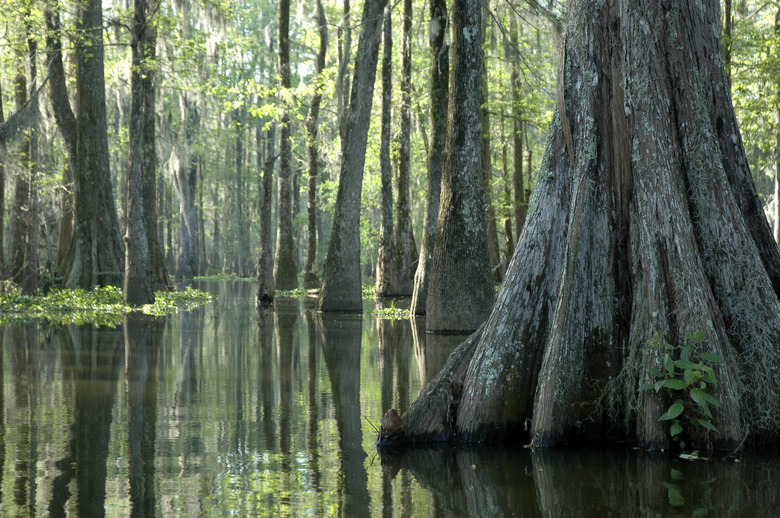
(102, 306)
(391, 313)
(687, 381)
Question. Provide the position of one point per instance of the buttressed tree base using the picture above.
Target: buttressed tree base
(644, 223)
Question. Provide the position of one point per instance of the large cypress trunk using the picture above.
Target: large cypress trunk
(644, 223)
(96, 254)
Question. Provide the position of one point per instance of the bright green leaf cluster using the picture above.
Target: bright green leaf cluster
(101, 306)
(391, 312)
(687, 382)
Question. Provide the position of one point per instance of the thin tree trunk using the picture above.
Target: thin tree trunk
(311, 277)
(243, 239)
(265, 262)
(386, 271)
(66, 123)
(518, 181)
(440, 69)
(341, 278)
(461, 287)
(403, 239)
(3, 153)
(138, 285)
(487, 173)
(285, 264)
(185, 180)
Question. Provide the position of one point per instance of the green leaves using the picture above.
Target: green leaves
(687, 379)
(101, 306)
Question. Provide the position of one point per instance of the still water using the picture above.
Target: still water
(222, 411)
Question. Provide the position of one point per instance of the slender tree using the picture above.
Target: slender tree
(285, 264)
(341, 278)
(185, 180)
(138, 285)
(311, 277)
(386, 271)
(645, 226)
(440, 70)
(265, 268)
(461, 288)
(403, 238)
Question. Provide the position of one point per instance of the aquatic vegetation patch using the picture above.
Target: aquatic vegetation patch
(100, 306)
(391, 313)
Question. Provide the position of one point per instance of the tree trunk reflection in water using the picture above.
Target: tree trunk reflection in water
(265, 370)
(143, 335)
(312, 415)
(24, 358)
(285, 317)
(341, 337)
(92, 358)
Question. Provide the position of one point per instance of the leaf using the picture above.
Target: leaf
(690, 377)
(705, 424)
(675, 429)
(668, 364)
(698, 395)
(657, 373)
(677, 474)
(685, 364)
(712, 357)
(647, 386)
(675, 384)
(674, 411)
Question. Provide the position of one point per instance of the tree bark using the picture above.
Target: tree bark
(185, 180)
(265, 262)
(341, 278)
(487, 173)
(403, 240)
(461, 287)
(644, 224)
(311, 277)
(138, 287)
(96, 254)
(66, 123)
(386, 272)
(518, 180)
(285, 263)
(438, 36)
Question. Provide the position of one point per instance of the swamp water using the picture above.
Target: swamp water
(223, 412)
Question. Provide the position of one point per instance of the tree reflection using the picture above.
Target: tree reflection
(92, 357)
(341, 338)
(143, 335)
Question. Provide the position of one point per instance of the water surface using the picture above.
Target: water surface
(223, 411)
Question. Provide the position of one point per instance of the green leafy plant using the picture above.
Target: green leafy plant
(391, 313)
(688, 380)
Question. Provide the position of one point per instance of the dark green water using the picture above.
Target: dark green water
(224, 412)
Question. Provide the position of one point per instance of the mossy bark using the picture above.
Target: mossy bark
(645, 222)
(96, 253)
(461, 287)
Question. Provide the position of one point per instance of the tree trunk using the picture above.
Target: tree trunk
(440, 70)
(461, 289)
(265, 262)
(185, 180)
(487, 174)
(386, 272)
(403, 241)
(285, 264)
(645, 224)
(518, 180)
(341, 278)
(138, 286)
(96, 254)
(3, 153)
(243, 238)
(151, 189)
(342, 78)
(24, 210)
(66, 123)
(311, 277)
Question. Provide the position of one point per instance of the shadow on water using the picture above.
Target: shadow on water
(232, 411)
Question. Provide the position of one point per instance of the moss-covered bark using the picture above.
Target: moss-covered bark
(460, 292)
(644, 224)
